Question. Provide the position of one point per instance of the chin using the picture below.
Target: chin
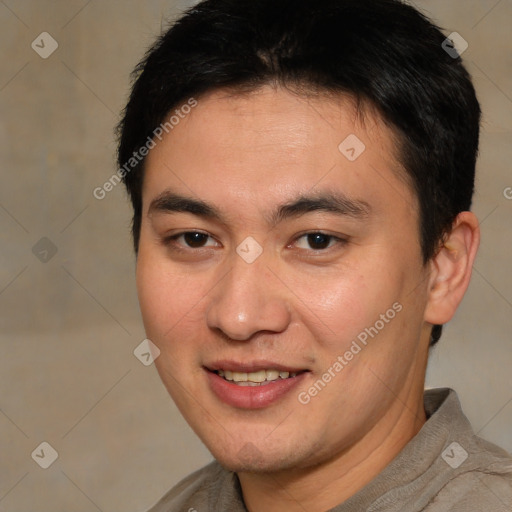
(251, 459)
(247, 462)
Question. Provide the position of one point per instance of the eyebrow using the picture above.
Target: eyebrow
(330, 202)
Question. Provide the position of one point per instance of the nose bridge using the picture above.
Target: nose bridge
(247, 300)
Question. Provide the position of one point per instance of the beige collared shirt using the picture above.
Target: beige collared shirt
(444, 468)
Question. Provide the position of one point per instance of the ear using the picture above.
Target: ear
(451, 269)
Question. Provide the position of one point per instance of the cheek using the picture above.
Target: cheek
(341, 304)
(165, 298)
(368, 302)
(169, 304)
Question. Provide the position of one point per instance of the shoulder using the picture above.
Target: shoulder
(197, 491)
(475, 491)
(482, 482)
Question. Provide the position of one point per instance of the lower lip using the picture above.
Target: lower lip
(252, 397)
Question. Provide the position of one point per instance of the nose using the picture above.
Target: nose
(249, 299)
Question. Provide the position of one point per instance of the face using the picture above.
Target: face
(281, 277)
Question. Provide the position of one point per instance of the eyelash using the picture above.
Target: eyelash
(171, 241)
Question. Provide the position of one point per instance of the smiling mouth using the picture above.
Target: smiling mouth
(259, 378)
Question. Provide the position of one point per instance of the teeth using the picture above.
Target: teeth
(272, 374)
(255, 378)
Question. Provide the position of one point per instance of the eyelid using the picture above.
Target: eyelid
(171, 240)
(339, 239)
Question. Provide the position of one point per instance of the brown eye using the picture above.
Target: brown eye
(318, 240)
(194, 239)
(190, 240)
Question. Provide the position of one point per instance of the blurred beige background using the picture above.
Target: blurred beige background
(69, 320)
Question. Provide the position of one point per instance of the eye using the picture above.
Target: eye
(318, 241)
(191, 240)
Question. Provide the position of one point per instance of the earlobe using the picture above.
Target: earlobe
(451, 269)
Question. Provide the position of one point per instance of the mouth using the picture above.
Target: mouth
(253, 386)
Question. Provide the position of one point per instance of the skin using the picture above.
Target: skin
(296, 304)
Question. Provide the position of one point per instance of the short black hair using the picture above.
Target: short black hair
(383, 53)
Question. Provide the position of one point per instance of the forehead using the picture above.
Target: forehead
(272, 142)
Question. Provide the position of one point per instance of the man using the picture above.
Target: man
(301, 175)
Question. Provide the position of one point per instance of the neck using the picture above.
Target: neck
(324, 486)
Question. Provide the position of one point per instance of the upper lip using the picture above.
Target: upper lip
(249, 367)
